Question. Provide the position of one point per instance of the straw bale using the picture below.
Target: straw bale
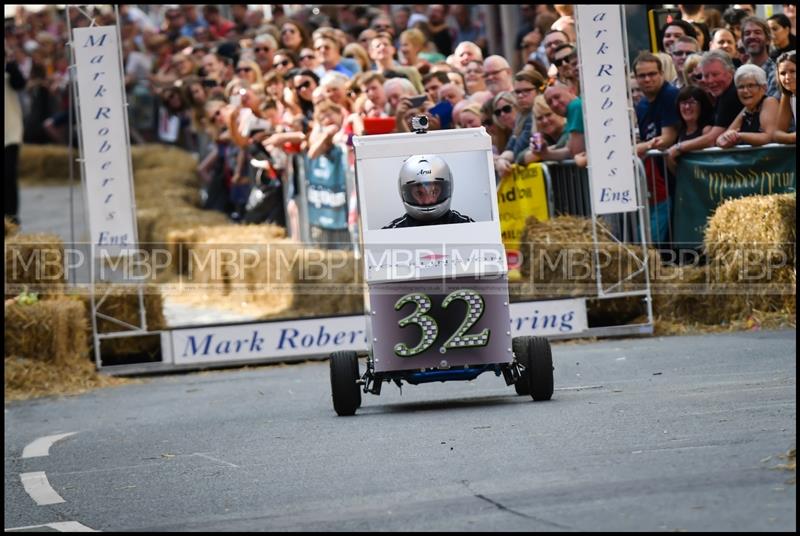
(161, 177)
(35, 261)
(702, 294)
(559, 260)
(146, 219)
(11, 227)
(168, 195)
(31, 378)
(183, 218)
(47, 164)
(226, 255)
(312, 282)
(154, 155)
(122, 303)
(49, 330)
(765, 224)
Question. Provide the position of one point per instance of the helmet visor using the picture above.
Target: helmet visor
(425, 194)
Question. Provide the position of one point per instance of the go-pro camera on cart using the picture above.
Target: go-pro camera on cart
(437, 306)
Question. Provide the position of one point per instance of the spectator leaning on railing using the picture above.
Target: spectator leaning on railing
(658, 122)
(755, 124)
(718, 80)
(696, 114)
(563, 101)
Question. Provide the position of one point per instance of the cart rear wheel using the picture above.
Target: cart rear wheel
(535, 354)
(345, 391)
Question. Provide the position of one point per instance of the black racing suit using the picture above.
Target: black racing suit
(451, 216)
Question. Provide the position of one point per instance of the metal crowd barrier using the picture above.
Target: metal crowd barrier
(296, 173)
(569, 194)
(655, 158)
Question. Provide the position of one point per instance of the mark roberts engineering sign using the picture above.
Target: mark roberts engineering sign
(300, 339)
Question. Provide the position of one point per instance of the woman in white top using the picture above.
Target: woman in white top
(787, 77)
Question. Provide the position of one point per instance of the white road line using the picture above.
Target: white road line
(41, 447)
(39, 489)
(60, 526)
(213, 459)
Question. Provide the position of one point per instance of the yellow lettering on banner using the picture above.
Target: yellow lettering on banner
(521, 194)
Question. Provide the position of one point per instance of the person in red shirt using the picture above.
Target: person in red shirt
(218, 26)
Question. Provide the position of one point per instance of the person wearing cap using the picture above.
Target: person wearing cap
(425, 184)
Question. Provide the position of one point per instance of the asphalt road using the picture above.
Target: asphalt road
(653, 434)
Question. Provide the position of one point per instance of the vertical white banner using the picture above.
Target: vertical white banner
(108, 174)
(604, 91)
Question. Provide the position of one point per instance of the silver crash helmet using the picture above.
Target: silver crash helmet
(426, 186)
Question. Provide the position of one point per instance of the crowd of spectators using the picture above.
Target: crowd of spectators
(247, 92)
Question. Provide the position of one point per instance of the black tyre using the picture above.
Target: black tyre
(541, 373)
(520, 347)
(345, 391)
(535, 354)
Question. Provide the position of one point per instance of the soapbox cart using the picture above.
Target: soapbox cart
(437, 306)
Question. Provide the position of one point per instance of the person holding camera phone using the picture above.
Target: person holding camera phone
(425, 184)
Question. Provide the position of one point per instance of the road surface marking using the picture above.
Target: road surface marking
(39, 489)
(41, 447)
(60, 526)
(213, 459)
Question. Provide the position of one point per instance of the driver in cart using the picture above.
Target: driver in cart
(426, 188)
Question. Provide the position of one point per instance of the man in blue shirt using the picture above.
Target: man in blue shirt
(658, 120)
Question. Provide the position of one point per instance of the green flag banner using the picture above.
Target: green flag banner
(706, 178)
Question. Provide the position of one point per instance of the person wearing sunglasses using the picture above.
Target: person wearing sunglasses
(301, 84)
(504, 116)
(249, 73)
(294, 36)
(692, 72)
(682, 48)
(526, 87)
(308, 60)
(284, 60)
(264, 47)
(565, 59)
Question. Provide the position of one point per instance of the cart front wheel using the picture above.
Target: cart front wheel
(345, 391)
(535, 355)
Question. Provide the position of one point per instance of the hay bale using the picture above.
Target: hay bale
(11, 227)
(170, 196)
(122, 303)
(146, 219)
(30, 378)
(184, 218)
(559, 260)
(750, 243)
(305, 282)
(47, 164)
(35, 262)
(762, 223)
(153, 155)
(225, 255)
(49, 330)
(165, 177)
